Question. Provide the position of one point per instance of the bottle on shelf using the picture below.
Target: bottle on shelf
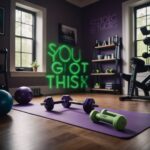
(107, 65)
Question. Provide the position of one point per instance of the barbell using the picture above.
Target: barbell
(66, 101)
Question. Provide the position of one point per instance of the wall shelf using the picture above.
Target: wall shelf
(106, 67)
(102, 74)
(103, 60)
(99, 89)
(105, 46)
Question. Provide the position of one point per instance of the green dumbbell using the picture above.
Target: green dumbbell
(118, 121)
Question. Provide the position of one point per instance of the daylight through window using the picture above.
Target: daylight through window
(142, 18)
(24, 39)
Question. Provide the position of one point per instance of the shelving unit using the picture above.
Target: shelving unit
(106, 67)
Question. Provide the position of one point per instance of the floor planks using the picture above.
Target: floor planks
(21, 131)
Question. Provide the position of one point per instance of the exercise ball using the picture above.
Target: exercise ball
(6, 102)
(23, 95)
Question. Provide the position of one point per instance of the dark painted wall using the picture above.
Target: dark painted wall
(101, 20)
(58, 11)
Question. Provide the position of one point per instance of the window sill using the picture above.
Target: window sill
(27, 74)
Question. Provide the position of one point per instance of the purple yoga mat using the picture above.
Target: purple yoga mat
(137, 122)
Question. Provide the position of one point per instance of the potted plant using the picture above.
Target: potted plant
(35, 66)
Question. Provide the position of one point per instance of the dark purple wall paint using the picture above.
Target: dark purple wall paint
(101, 20)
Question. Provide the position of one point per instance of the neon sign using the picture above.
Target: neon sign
(67, 69)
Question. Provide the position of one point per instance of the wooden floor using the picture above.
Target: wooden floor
(21, 131)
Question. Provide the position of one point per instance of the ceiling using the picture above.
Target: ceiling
(81, 3)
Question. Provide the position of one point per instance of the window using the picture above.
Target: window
(129, 30)
(22, 55)
(142, 18)
(25, 28)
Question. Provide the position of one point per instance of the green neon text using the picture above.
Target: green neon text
(57, 52)
(64, 81)
(66, 67)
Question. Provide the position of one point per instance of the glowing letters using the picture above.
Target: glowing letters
(68, 71)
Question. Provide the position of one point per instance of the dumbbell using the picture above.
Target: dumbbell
(116, 120)
(49, 102)
(88, 104)
(66, 101)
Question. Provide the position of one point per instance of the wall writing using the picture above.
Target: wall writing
(103, 23)
(68, 71)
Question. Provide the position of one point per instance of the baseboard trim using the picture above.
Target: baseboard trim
(45, 91)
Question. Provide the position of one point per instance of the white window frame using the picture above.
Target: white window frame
(40, 38)
(128, 34)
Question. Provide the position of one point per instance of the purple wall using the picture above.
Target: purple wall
(58, 11)
(101, 20)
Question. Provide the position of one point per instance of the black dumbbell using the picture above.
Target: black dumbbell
(66, 101)
(49, 102)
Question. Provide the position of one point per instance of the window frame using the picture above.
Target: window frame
(23, 37)
(135, 27)
(41, 38)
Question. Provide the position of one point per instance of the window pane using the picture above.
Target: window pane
(23, 45)
(141, 12)
(148, 20)
(18, 15)
(26, 30)
(18, 28)
(17, 59)
(140, 36)
(26, 60)
(141, 48)
(27, 45)
(141, 21)
(17, 44)
(148, 10)
(27, 18)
